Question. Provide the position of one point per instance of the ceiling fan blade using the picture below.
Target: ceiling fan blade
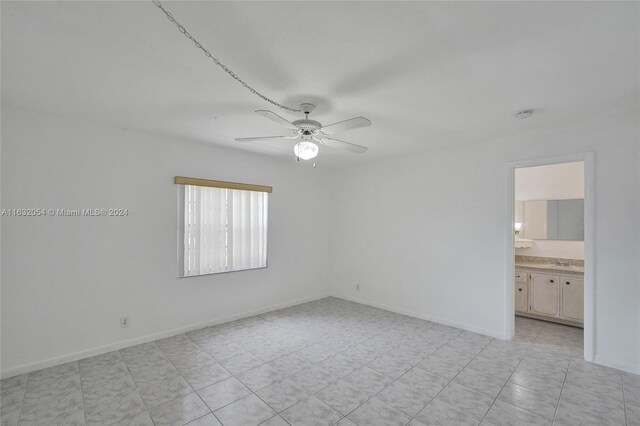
(276, 118)
(265, 138)
(335, 143)
(341, 126)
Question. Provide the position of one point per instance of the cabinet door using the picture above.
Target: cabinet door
(521, 301)
(545, 295)
(572, 299)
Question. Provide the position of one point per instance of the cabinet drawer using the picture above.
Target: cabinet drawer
(521, 301)
(521, 277)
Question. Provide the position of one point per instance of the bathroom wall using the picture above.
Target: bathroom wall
(552, 182)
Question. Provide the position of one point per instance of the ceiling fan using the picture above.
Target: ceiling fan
(309, 133)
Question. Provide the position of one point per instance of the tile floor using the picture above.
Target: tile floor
(332, 362)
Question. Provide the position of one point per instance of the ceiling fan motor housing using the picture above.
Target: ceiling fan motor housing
(307, 124)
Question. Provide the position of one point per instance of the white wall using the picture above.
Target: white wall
(551, 182)
(424, 234)
(66, 281)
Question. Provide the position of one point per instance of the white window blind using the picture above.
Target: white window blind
(223, 230)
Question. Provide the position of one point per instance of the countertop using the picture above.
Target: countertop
(544, 264)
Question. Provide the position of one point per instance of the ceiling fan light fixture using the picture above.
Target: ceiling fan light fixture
(306, 150)
(311, 133)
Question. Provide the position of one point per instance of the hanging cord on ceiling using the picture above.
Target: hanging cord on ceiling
(217, 61)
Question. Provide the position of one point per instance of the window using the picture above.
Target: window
(222, 226)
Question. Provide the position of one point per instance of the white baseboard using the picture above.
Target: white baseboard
(618, 365)
(27, 368)
(463, 326)
(75, 356)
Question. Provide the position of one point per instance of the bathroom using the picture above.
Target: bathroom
(549, 229)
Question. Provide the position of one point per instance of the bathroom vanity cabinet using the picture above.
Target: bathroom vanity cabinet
(545, 295)
(549, 296)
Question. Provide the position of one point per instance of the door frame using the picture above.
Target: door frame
(589, 244)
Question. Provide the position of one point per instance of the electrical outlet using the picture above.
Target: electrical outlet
(124, 322)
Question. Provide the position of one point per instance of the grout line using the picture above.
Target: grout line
(84, 410)
(555, 414)
(24, 397)
(134, 415)
(201, 417)
(450, 381)
(340, 378)
(393, 381)
(505, 384)
(624, 402)
(415, 366)
(325, 337)
(232, 375)
(454, 377)
(216, 417)
(137, 389)
(566, 373)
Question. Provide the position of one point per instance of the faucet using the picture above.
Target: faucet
(561, 262)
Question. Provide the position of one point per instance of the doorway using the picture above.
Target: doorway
(546, 216)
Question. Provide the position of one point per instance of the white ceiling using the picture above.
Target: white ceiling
(427, 74)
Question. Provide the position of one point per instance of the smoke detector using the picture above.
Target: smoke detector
(525, 113)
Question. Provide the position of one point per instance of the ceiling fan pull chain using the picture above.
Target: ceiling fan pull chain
(217, 61)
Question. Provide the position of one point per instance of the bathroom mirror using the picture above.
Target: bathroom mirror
(551, 219)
